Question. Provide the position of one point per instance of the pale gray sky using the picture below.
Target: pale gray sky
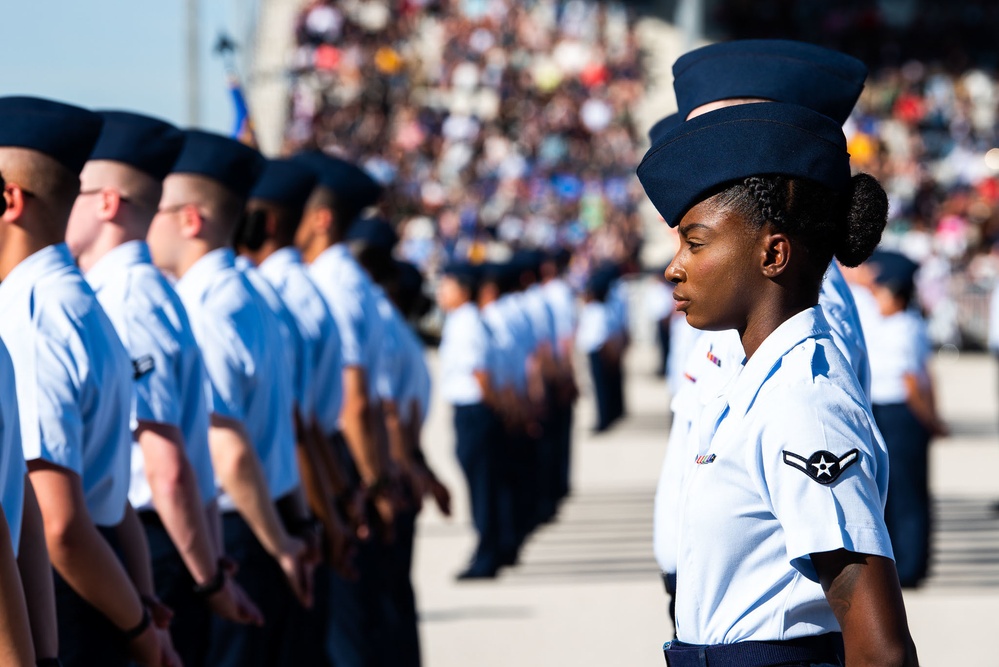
(121, 54)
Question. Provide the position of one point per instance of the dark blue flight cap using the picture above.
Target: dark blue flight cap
(285, 183)
(465, 273)
(343, 178)
(234, 165)
(894, 270)
(63, 132)
(664, 125)
(599, 282)
(375, 232)
(730, 144)
(147, 144)
(780, 70)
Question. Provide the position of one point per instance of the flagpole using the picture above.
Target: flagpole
(193, 64)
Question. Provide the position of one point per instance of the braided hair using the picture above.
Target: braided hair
(846, 225)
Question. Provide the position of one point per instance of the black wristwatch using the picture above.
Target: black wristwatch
(143, 625)
(213, 585)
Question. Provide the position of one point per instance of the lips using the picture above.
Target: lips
(681, 301)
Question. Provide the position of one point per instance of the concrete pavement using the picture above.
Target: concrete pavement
(587, 591)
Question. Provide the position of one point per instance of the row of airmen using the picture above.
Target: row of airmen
(506, 360)
(206, 459)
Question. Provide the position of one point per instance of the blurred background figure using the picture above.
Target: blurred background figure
(904, 407)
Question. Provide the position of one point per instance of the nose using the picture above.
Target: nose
(674, 273)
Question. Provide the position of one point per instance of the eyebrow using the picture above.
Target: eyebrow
(686, 229)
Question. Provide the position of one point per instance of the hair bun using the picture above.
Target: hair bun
(866, 217)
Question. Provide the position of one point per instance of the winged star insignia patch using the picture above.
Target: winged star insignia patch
(142, 366)
(822, 466)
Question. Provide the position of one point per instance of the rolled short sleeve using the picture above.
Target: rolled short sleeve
(349, 317)
(224, 354)
(154, 353)
(53, 431)
(824, 472)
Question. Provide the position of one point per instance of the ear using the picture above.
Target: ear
(191, 222)
(322, 220)
(110, 203)
(13, 197)
(270, 224)
(776, 255)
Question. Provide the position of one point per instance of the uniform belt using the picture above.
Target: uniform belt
(822, 649)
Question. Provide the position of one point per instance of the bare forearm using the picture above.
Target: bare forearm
(398, 439)
(85, 560)
(238, 470)
(865, 596)
(135, 552)
(16, 646)
(181, 510)
(36, 578)
(360, 439)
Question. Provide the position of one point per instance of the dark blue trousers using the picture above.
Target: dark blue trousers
(907, 510)
(234, 645)
(405, 645)
(476, 431)
(563, 449)
(191, 626)
(361, 619)
(86, 637)
(602, 391)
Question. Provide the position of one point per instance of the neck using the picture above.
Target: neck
(258, 257)
(108, 238)
(189, 256)
(316, 247)
(770, 314)
(18, 245)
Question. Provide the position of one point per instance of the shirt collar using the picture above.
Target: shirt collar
(25, 275)
(198, 277)
(280, 261)
(335, 253)
(122, 257)
(806, 324)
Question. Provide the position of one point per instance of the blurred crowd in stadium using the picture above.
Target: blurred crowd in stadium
(493, 122)
(496, 122)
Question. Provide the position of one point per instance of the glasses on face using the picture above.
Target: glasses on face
(85, 193)
(171, 209)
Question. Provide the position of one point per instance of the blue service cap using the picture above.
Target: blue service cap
(343, 178)
(664, 125)
(600, 280)
(780, 70)
(234, 165)
(733, 143)
(464, 272)
(285, 183)
(63, 132)
(147, 144)
(894, 270)
(375, 232)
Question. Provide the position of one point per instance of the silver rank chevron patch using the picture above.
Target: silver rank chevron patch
(822, 466)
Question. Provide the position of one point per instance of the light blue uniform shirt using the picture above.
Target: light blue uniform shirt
(390, 378)
(240, 339)
(74, 378)
(595, 327)
(523, 345)
(464, 350)
(713, 360)
(560, 299)
(12, 468)
(900, 346)
(789, 463)
(617, 303)
(540, 314)
(285, 271)
(170, 379)
(297, 351)
(350, 297)
(506, 360)
(418, 383)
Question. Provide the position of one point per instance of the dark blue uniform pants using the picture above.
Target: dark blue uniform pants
(191, 625)
(475, 431)
(86, 637)
(602, 391)
(234, 645)
(907, 511)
